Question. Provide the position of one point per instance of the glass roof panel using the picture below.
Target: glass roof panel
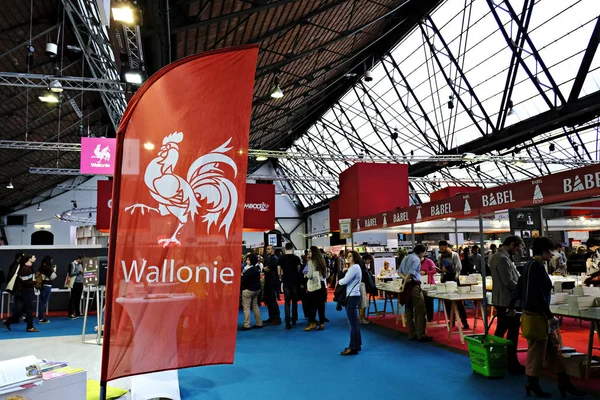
(417, 102)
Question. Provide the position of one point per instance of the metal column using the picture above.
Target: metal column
(482, 266)
(412, 233)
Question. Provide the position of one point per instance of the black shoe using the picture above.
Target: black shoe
(257, 327)
(244, 328)
(412, 339)
(349, 352)
(276, 322)
(425, 339)
(6, 324)
(288, 327)
(44, 321)
(515, 369)
(566, 386)
(325, 320)
(466, 326)
(268, 321)
(294, 323)
(72, 317)
(533, 385)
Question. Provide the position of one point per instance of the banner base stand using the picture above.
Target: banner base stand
(156, 385)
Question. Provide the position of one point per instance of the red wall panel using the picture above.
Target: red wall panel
(334, 215)
(452, 191)
(372, 188)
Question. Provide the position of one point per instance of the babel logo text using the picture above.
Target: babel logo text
(262, 207)
(589, 181)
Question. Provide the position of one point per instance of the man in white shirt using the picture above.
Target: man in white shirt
(415, 307)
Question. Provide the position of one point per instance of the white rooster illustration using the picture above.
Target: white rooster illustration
(181, 197)
(102, 154)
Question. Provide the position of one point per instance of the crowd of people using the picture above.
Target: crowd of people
(24, 281)
(515, 297)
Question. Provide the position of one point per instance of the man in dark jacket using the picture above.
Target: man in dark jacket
(290, 274)
(250, 291)
(272, 284)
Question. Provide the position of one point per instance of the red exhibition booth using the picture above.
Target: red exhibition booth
(571, 187)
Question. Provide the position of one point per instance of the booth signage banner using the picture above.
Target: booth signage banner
(272, 239)
(104, 203)
(259, 209)
(570, 185)
(575, 184)
(97, 156)
(173, 286)
(345, 228)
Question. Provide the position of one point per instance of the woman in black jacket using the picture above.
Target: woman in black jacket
(48, 271)
(534, 288)
(24, 294)
(250, 291)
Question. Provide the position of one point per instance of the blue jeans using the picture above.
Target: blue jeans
(45, 293)
(352, 314)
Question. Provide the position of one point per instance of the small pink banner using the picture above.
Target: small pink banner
(97, 156)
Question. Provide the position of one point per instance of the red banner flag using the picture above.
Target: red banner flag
(177, 221)
(103, 206)
(259, 210)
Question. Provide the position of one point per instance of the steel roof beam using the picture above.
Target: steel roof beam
(67, 82)
(586, 63)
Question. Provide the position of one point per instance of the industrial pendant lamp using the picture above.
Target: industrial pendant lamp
(49, 97)
(276, 92)
(261, 158)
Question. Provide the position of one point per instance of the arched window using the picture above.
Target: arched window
(42, 238)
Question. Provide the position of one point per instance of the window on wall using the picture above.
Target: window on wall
(42, 238)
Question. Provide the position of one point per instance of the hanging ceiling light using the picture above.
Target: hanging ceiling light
(124, 14)
(511, 110)
(276, 92)
(261, 158)
(39, 208)
(49, 97)
(552, 147)
(10, 185)
(134, 77)
(56, 86)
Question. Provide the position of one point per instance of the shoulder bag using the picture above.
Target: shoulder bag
(534, 326)
(314, 283)
(10, 286)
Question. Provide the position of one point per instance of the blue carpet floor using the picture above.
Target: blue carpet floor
(277, 364)
(58, 326)
(273, 363)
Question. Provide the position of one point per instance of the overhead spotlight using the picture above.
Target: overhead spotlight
(39, 207)
(276, 92)
(49, 97)
(123, 14)
(575, 148)
(469, 156)
(81, 132)
(74, 202)
(509, 104)
(552, 147)
(56, 86)
(133, 77)
(395, 134)
(30, 50)
(478, 168)
(412, 153)
(450, 103)
(368, 76)
(51, 50)
(89, 215)
(10, 185)
(261, 158)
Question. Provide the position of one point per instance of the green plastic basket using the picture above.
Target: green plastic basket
(487, 354)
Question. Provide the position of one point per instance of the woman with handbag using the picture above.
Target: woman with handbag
(48, 273)
(538, 324)
(317, 289)
(24, 294)
(352, 279)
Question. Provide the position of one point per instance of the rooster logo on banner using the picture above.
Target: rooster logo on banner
(180, 197)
